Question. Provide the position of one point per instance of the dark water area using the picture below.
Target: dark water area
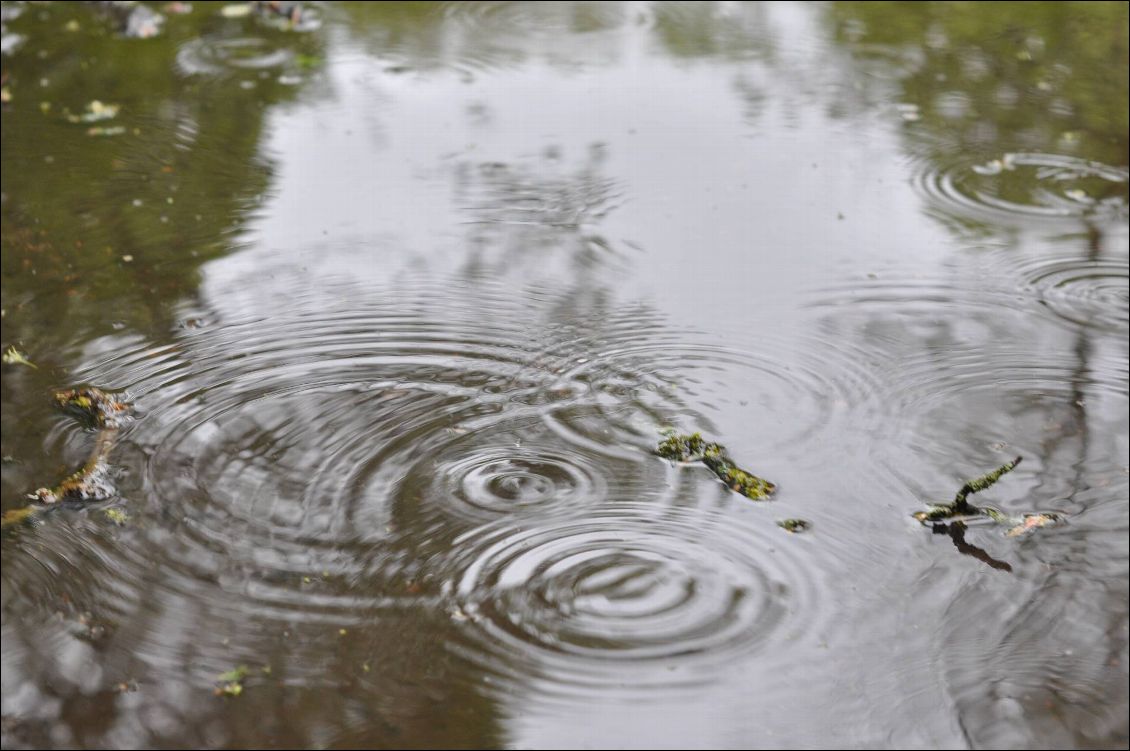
(404, 293)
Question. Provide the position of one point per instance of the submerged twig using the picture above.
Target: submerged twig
(960, 509)
(92, 481)
(98, 408)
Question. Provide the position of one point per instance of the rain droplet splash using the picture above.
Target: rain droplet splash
(1024, 187)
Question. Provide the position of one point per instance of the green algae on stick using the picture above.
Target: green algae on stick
(737, 479)
(960, 505)
(19, 515)
(99, 409)
(682, 448)
(231, 682)
(91, 483)
(693, 447)
(961, 510)
(983, 483)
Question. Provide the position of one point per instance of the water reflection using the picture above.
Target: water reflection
(411, 291)
(627, 602)
(478, 38)
(1012, 155)
(956, 531)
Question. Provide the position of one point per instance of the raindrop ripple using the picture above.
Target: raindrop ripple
(630, 600)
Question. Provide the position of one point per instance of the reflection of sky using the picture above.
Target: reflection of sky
(736, 212)
(727, 211)
(735, 197)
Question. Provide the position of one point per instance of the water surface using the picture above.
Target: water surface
(404, 293)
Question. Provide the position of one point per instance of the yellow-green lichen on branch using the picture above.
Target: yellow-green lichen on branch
(694, 448)
(960, 505)
(960, 509)
(230, 683)
(100, 408)
(681, 448)
(117, 516)
(89, 484)
(92, 482)
(983, 483)
(794, 526)
(19, 515)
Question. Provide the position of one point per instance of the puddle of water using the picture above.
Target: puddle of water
(404, 294)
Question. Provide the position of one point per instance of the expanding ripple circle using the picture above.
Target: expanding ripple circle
(635, 597)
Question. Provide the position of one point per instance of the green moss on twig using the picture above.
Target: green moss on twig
(960, 509)
(982, 483)
(102, 410)
(230, 683)
(794, 526)
(19, 516)
(693, 447)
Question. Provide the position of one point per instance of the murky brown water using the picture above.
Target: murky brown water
(404, 295)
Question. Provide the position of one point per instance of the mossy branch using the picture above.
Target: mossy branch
(92, 481)
(693, 447)
(960, 508)
(960, 502)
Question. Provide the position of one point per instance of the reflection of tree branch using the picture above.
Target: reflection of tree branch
(956, 531)
(1081, 376)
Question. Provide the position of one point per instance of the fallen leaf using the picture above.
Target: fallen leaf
(1031, 522)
